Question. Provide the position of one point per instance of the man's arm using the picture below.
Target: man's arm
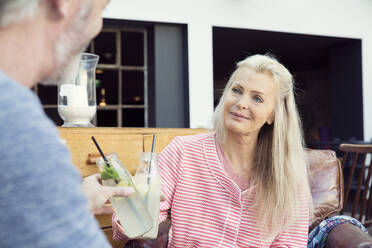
(41, 201)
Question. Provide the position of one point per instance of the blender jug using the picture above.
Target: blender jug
(77, 99)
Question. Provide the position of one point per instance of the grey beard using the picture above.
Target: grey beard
(65, 73)
(65, 48)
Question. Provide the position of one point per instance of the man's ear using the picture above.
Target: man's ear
(60, 7)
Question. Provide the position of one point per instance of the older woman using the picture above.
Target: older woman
(244, 185)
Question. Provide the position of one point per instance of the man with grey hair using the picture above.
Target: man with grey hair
(42, 199)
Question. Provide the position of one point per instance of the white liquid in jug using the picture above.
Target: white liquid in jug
(77, 115)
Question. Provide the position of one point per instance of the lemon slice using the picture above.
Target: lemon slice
(142, 188)
(123, 183)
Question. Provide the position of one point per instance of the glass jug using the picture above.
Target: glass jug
(77, 99)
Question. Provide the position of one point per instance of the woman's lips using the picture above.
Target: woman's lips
(234, 114)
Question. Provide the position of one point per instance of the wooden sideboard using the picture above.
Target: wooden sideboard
(127, 143)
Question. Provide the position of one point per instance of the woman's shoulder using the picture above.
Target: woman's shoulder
(195, 139)
(186, 143)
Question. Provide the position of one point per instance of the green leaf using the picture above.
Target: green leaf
(109, 172)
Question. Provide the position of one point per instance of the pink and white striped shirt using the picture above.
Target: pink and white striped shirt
(207, 208)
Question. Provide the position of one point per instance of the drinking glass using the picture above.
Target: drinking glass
(148, 183)
(131, 211)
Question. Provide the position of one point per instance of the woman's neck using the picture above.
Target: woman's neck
(240, 151)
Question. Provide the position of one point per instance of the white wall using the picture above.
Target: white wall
(341, 18)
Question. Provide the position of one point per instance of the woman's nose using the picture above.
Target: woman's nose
(243, 103)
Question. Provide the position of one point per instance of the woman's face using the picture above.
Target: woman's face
(250, 102)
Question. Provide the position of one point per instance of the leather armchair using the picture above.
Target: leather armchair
(327, 185)
(326, 180)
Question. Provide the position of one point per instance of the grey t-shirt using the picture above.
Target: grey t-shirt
(41, 201)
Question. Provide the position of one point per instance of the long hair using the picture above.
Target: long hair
(280, 170)
(12, 11)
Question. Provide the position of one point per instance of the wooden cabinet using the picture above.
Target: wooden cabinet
(127, 143)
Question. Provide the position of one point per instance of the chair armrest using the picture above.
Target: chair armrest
(348, 236)
(159, 242)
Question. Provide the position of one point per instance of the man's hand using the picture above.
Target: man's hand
(98, 194)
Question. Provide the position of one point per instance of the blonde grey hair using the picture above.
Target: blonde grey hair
(280, 170)
(12, 11)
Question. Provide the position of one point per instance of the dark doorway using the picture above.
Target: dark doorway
(327, 72)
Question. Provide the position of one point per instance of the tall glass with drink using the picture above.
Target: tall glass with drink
(131, 211)
(148, 183)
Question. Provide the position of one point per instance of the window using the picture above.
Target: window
(122, 79)
(142, 76)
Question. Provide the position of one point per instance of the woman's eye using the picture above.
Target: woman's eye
(236, 90)
(258, 99)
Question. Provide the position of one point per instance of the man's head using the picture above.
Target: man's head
(12, 11)
(69, 26)
(86, 24)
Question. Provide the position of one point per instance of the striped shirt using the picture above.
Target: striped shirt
(207, 208)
